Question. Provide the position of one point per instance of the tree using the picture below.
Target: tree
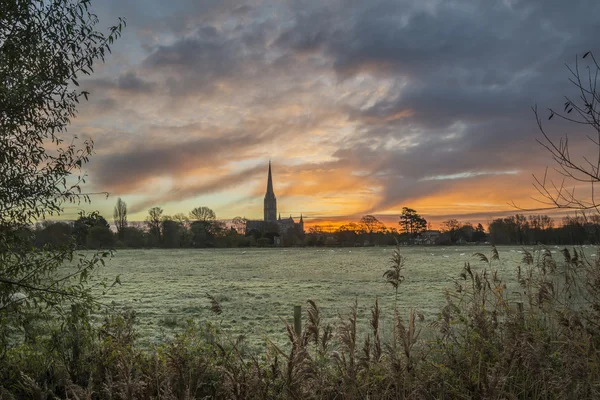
(134, 236)
(239, 224)
(573, 166)
(370, 224)
(120, 217)
(451, 227)
(182, 218)
(153, 222)
(44, 47)
(412, 223)
(203, 226)
(174, 233)
(53, 234)
(85, 222)
(100, 237)
(348, 234)
(479, 234)
(202, 214)
(466, 232)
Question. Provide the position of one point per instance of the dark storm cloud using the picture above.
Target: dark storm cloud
(129, 82)
(481, 65)
(198, 63)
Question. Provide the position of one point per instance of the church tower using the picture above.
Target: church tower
(270, 200)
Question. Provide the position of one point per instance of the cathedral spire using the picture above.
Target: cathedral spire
(270, 182)
(270, 200)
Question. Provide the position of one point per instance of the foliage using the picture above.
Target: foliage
(518, 229)
(394, 276)
(85, 223)
(239, 224)
(44, 48)
(177, 232)
(489, 341)
(100, 237)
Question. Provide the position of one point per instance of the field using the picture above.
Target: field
(257, 288)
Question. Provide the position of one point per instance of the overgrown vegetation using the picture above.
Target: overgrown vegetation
(537, 340)
(44, 48)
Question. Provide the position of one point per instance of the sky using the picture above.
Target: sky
(363, 107)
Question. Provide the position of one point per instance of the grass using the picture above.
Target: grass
(264, 285)
(534, 337)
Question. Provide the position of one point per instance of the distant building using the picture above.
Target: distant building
(271, 224)
(270, 200)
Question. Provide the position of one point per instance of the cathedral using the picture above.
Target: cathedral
(271, 223)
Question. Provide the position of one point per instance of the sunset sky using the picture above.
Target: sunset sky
(363, 106)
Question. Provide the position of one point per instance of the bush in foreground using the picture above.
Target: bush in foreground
(539, 340)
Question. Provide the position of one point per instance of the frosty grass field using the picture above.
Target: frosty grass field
(257, 288)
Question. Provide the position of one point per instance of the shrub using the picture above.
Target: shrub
(489, 341)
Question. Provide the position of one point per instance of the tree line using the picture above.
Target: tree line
(200, 228)
(412, 229)
(540, 229)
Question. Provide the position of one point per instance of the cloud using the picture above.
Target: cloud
(189, 191)
(130, 170)
(467, 174)
(366, 105)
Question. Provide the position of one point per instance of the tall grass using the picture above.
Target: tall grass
(536, 340)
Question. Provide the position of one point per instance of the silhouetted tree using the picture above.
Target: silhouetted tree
(120, 216)
(182, 218)
(203, 226)
(479, 234)
(202, 214)
(54, 234)
(412, 223)
(134, 237)
(465, 232)
(451, 228)
(370, 224)
(100, 237)
(85, 222)
(174, 233)
(153, 222)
